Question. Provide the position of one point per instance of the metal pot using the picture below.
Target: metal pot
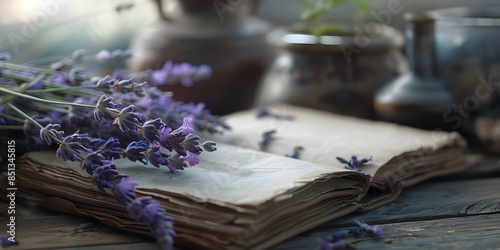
(337, 72)
(468, 56)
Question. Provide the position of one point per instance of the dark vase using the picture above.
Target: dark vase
(418, 98)
(337, 72)
(223, 34)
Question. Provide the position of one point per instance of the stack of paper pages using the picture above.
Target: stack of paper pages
(241, 197)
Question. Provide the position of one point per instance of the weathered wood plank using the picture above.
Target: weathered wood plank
(432, 201)
(468, 232)
(435, 200)
(37, 228)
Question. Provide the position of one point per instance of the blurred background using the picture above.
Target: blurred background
(421, 70)
(95, 25)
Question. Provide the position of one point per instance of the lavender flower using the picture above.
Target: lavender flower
(71, 148)
(266, 137)
(152, 120)
(155, 156)
(92, 161)
(127, 119)
(173, 140)
(184, 73)
(176, 162)
(151, 129)
(102, 176)
(209, 146)
(103, 55)
(372, 231)
(50, 134)
(125, 190)
(191, 144)
(191, 158)
(135, 151)
(4, 56)
(78, 55)
(354, 163)
(104, 84)
(295, 152)
(105, 109)
(6, 241)
(77, 76)
(110, 148)
(264, 112)
(336, 245)
(145, 209)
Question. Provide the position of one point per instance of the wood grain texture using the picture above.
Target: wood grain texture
(38, 228)
(468, 232)
(461, 214)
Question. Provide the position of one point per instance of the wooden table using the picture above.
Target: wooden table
(456, 212)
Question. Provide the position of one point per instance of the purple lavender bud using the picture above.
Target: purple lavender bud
(295, 152)
(155, 156)
(6, 241)
(364, 160)
(209, 146)
(124, 6)
(192, 159)
(266, 137)
(262, 112)
(92, 161)
(111, 148)
(335, 245)
(105, 109)
(354, 162)
(70, 148)
(120, 54)
(145, 209)
(127, 119)
(105, 83)
(192, 144)
(138, 208)
(62, 65)
(103, 55)
(337, 235)
(176, 162)
(125, 190)
(4, 56)
(151, 129)
(77, 55)
(135, 151)
(59, 79)
(50, 134)
(173, 140)
(372, 231)
(102, 176)
(356, 231)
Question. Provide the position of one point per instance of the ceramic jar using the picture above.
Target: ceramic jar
(223, 34)
(338, 73)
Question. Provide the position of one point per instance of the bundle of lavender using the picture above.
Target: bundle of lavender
(94, 120)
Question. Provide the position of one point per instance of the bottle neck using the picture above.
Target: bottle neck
(421, 47)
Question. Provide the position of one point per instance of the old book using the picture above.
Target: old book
(248, 197)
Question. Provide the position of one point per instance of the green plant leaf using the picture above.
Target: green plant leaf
(362, 6)
(327, 28)
(306, 4)
(313, 15)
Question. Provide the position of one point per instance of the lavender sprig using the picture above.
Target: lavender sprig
(266, 138)
(95, 120)
(7, 241)
(332, 241)
(354, 163)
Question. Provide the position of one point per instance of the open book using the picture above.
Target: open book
(247, 197)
